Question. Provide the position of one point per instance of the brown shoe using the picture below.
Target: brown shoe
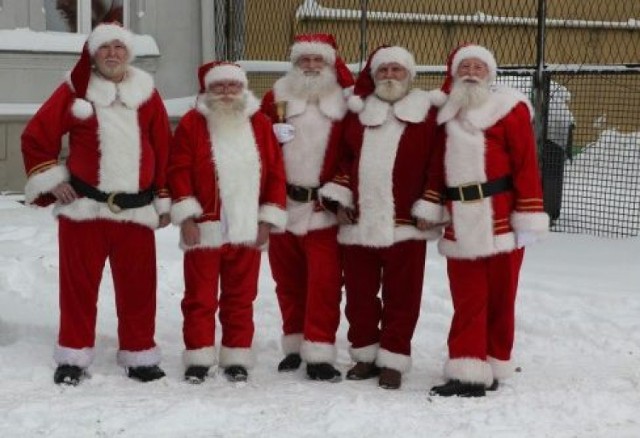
(389, 378)
(362, 371)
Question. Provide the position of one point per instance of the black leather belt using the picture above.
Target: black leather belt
(302, 194)
(477, 191)
(116, 201)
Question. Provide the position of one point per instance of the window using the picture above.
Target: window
(83, 15)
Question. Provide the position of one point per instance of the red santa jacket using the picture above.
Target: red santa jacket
(386, 151)
(122, 146)
(228, 176)
(493, 141)
(311, 158)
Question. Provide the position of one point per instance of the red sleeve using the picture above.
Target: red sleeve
(181, 160)
(160, 136)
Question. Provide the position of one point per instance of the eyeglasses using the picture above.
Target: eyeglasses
(221, 87)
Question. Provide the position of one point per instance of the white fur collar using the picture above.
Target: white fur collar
(412, 108)
(253, 105)
(136, 88)
(503, 99)
(333, 104)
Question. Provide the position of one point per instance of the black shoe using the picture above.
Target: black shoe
(460, 389)
(323, 371)
(145, 373)
(68, 375)
(363, 371)
(494, 385)
(290, 363)
(390, 378)
(236, 373)
(196, 374)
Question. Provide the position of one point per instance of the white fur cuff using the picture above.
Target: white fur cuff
(204, 357)
(236, 356)
(317, 352)
(395, 361)
(144, 358)
(502, 369)
(538, 221)
(291, 343)
(162, 205)
(184, 209)
(364, 354)
(274, 215)
(80, 357)
(428, 211)
(469, 370)
(338, 193)
(43, 182)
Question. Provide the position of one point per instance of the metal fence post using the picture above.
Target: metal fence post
(538, 80)
(363, 33)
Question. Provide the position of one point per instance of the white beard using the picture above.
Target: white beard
(226, 113)
(469, 93)
(391, 90)
(308, 86)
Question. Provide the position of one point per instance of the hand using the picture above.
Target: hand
(525, 237)
(165, 220)
(345, 216)
(190, 232)
(424, 225)
(284, 132)
(64, 193)
(263, 234)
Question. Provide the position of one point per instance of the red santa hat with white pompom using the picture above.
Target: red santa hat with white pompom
(81, 72)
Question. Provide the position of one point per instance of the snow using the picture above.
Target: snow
(577, 345)
(24, 39)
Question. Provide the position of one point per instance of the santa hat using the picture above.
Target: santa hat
(220, 71)
(365, 85)
(466, 51)
(323, 44)
(81, 72)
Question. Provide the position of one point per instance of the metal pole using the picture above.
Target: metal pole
(363, 33)
(538, 80)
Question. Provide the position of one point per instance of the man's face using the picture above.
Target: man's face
(472, 69)
(111, 60)
(311, 65)
(225, 91)
(392, 70)
(392, 82)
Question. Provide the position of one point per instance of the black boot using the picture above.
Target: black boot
(236, 373)
(68, 375)
(196, 374)
(460, 389)
(290, 363)
(494, 385)
(145, 373)
(323, 371)
(363, 371)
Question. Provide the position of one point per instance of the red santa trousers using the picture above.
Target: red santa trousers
(483, 291)
(392, 320)
(84, 248)
(236, 268)
(308, 276)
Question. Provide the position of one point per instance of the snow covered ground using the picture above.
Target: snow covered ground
(577, 346)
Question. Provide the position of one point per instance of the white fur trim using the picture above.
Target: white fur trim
(313, 48)
(236, 356)
(274, 215)
(537, 222)
(332, 104)
(105, 33)
(43, 182)
(82, 109)
(204, 357)
(474, 51)
(184, 209)
(469, 370)
(437, 97)
(498, 244)
(428, 211)
(317, 352)
(237, 164)
(226, 72)
(395, 361)
(355, 103)
(351, 235)
(210, 237)
(162, 205)
(338, 193)
(291, 343)
(412, 108)
(88, 209)
(80, 357)
(364, 354)
(301, 218)
(136, 88)
(142, 358)
(396, 54)
(502, 369)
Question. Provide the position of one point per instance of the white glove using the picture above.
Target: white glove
(284, 132)
(525, 237)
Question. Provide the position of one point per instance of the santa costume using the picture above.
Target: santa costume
(119, 139)
(382, 177)
(492, 199)
(227, 175)
(306, 261)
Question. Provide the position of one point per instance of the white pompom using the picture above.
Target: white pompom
(437, 97)
(355, 103)
(82, 109)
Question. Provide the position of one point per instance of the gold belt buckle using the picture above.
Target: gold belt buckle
(112, 206)
(480, 193)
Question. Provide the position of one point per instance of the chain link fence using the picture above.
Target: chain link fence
(576, 59)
